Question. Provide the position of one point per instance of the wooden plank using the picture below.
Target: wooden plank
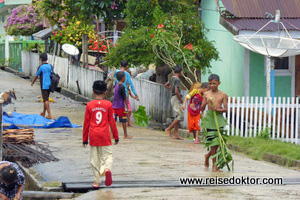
(287, 126)
(237, 128)
(255, 116)
(228, 114)
(47, 195)
(265, 111)
(274, 117)
(232, 121)
(251, 117)
(243, 116)
(278, 118)
(297, 121)
(293, 120)
(283, 118)
(260, 116)
(270, 103)
(247, 113)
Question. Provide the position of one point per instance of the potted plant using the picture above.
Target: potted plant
(4, 63)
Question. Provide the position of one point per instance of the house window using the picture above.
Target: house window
(281, 63)
(283, 66)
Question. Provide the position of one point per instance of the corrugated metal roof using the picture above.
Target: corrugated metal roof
(256, 24)
(258, 8)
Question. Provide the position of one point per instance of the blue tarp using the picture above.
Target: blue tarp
(35, 121)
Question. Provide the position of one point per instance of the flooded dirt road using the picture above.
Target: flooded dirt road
(150, 155)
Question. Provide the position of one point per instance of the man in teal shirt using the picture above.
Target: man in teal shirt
(124, 67)
(44, 72)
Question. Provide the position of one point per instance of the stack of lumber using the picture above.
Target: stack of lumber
(18, 136)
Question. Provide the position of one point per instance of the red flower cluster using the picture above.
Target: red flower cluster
(98, 47)
(189, 46)
(160, 26)
(152, 35)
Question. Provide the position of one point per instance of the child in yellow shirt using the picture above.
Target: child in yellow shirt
(195, 96)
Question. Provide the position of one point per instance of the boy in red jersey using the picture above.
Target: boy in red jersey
(98, 118)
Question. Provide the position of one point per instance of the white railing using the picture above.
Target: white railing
(250, 116)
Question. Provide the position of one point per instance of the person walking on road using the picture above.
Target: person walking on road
(120, 104)
(44, 72)
(98, 120)
(176, 101)
(127, 83)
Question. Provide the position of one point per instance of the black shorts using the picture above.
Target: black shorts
(45, 95)
(211, 130)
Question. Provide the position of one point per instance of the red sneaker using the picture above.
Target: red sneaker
(108, 178)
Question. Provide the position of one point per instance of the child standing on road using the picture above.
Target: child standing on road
(176, 101)
(216, 100)
(121, 102)
(98, 118)
(196, 97)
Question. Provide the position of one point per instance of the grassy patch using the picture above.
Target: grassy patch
(51, 184)
(143, 163)
(257, 147)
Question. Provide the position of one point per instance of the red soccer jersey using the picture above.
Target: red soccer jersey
(98, 117)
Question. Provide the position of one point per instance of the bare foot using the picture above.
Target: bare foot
(206, 161)
(49, 117)
(215, 169)
(197, 142)
(42, 114)
(176, 137)
(129, 124)
(96, 185)
(168, 132)
(128, 137)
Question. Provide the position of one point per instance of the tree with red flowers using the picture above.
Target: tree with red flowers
(171, 45)
(165, 32)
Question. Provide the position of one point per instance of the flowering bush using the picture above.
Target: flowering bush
(72, 34)
(104, 45)
(24, 20)
(57, 12)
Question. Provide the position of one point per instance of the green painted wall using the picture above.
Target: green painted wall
(230, 67)
(19, 2)
(2, 24)
(258, 79)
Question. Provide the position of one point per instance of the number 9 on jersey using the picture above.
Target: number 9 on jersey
(98, 117)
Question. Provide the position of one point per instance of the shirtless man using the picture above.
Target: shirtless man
(215, 100)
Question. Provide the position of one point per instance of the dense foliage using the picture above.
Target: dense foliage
(72, 34)
(151, 28)
(24, 20)
(77, 17)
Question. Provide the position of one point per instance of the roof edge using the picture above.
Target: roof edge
(232, 29)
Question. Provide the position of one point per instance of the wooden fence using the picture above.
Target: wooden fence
(71, 76)
(249, 117)
(156, 99)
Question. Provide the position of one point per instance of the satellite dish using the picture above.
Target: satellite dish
(70, 49)
(282, 45)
